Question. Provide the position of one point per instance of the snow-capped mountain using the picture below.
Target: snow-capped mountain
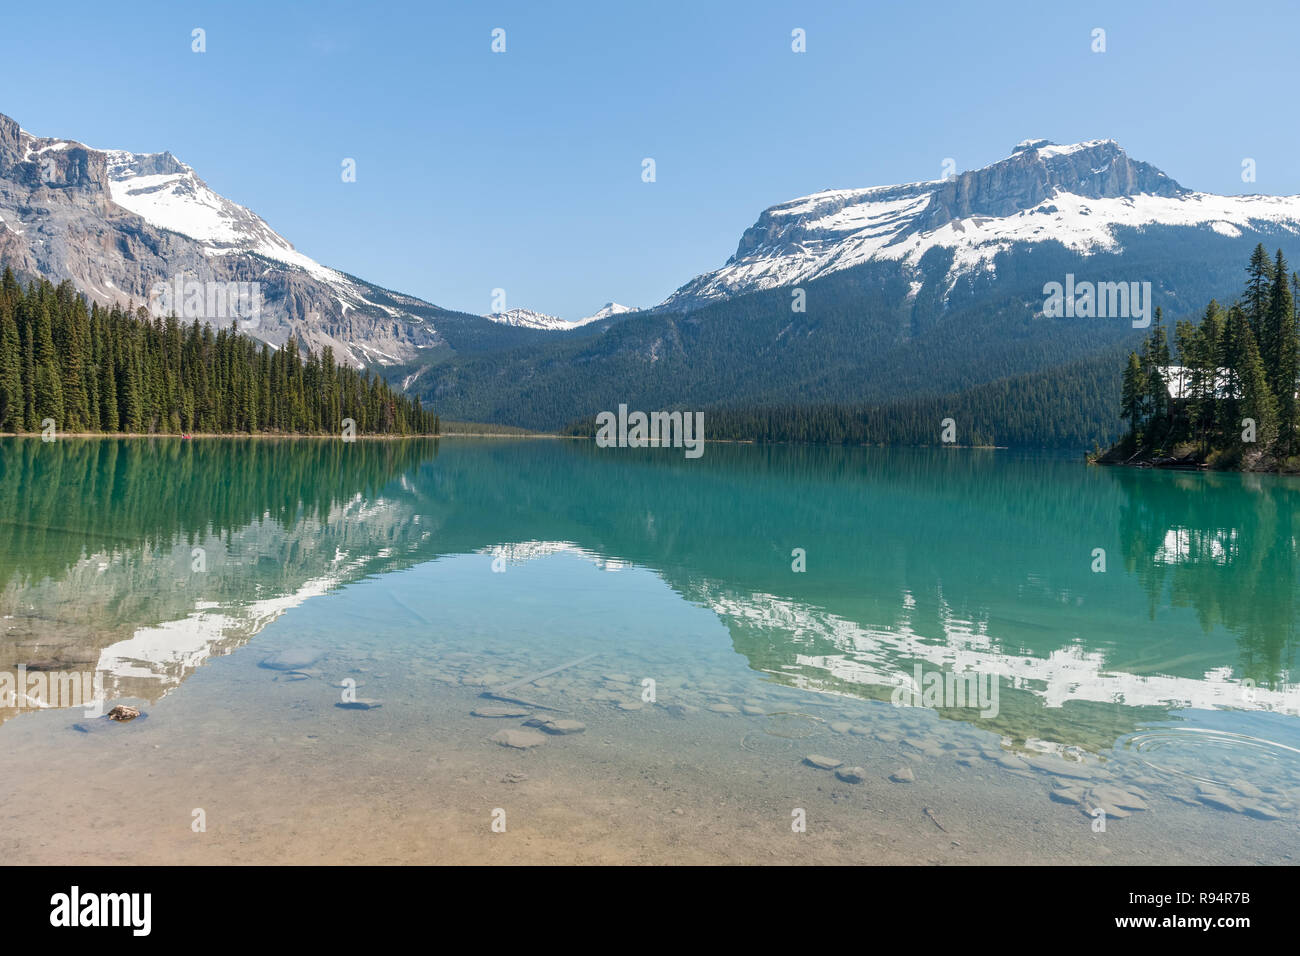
(1081, 196)
(117, 223)
(528, 319)
(608, 310)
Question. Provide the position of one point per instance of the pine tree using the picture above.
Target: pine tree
(1204, 379)
(11, 378)
(109, 419)
(72, 339)
(1285, 358)
(1133, 396)
(48, 387)
(1257, 403)
(1259, 281)
(1155, 360)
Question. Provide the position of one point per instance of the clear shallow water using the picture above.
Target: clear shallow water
(1158, 690)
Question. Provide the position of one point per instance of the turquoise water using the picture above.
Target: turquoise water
(731, 615)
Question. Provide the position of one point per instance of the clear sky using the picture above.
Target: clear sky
(523, 170)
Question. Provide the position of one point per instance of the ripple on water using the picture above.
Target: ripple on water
(1219, 761)
(793, 726)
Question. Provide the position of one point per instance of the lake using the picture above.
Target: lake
(990, 656)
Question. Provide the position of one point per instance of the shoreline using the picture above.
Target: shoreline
(270, 436)
(460, 434)
(1185, 463)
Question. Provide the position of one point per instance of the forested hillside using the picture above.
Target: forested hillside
(91, 369)
(1070, 407)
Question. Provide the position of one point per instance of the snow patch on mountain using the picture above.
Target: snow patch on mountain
(528, 319)
(168, 194)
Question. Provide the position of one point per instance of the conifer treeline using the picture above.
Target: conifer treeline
(1234, 389)
(92, 369)
(1069, 406)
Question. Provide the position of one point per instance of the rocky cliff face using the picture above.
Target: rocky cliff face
(1035, 172)
(117, 223)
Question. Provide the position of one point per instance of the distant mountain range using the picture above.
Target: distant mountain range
(925, 293)
(527, 318)
(875, 295)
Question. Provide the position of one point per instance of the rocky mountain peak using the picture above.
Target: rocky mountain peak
(123, 165)
(52, 163)
(1037, 170)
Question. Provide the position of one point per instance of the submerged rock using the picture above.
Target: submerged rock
(1068, 795)
(1112, 813)
(1247, 789)
(105, 723)
(1117, 797)
(903, 775)
(1261, 811)
(557, 726)
(291, 659)
(361, 703)
(493, 710)
(822, 763)
(723, 709)
(1060, 768)
(1219, 800)
(518, 739)
(851, 774)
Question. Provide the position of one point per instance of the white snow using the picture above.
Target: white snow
(1051, 149)
(181, 202)
(605, 311)
(528, 319)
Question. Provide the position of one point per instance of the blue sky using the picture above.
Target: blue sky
(522, 170)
